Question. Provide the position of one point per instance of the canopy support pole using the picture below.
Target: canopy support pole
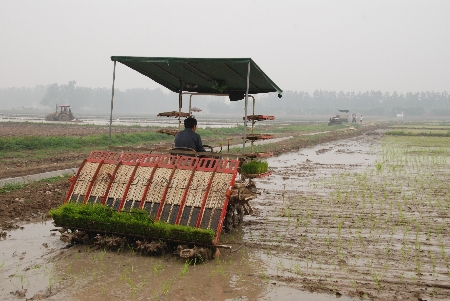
(112, 103)
(180, 104)
(246, 104)
(253, 125)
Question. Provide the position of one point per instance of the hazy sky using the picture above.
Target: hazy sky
(301, 45)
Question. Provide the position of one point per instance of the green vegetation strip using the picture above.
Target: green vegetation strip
(410, 133)
(255, 167)
(135, 222)
(68, 142)
(10, 187)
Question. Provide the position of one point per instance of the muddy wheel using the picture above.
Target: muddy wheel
(239, 215)
(229, 220)
(63, 117)
(49, 117)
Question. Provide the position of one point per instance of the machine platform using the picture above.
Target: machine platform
(179, 190)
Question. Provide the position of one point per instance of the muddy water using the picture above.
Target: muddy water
(294, 176)
(330, 220)
(25, 259)
(35, 261)
(159, 122)
(295, 171)
(36, 265)
(317, 234)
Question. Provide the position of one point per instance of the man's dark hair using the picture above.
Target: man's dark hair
(190, 122)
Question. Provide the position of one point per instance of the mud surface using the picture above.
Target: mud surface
(12, 167)
(36, 265)
(349, 219)
(354, 217)
(32, 202)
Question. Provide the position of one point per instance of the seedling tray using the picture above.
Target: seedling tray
(173, 114)
(259, 117)
(254, 137)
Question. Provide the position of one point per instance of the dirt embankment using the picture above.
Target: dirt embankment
(29, 162)
(31, 202)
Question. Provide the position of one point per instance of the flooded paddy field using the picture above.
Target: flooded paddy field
(148, 121)
(368, 219)
(364, 218)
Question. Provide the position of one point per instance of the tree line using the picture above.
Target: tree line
(368, 103)
(86, 100)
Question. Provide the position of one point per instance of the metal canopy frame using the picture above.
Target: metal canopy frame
(189, 75)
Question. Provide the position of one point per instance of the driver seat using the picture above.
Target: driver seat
(180, 148)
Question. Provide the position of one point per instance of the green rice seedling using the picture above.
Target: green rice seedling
(264, 276)
(255, 167)
(339, 227)
(280, 266)
(156, 268)
(433, 260)
(378, 166)
(21, 279)
(51, 280)
(185, 268)
(418, 264)
(136, 222)
(444, 254)
(219, 268)
(376, 278)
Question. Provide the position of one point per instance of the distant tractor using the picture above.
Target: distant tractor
(64, 114)
(338, 119)
(335, 120)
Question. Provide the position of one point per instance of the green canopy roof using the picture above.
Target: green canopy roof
(202, 75)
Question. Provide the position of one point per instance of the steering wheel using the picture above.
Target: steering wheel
(208, 146)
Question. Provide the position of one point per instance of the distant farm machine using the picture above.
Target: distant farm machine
(63, 114)
(338, 119)
(173, 198)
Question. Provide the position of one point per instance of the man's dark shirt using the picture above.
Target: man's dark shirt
(188, 138)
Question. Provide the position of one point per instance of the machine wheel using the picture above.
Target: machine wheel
(239, 214)
(50, 117)
(234, 217)
(229, 219)
(63, 117)
(236, 220)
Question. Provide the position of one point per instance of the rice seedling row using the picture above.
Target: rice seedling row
(371, 231)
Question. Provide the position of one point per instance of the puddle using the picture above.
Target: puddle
(294, 171)
(247, 144)
(25, 259)
(286, 293)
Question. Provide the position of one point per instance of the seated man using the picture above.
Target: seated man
(188, 137)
